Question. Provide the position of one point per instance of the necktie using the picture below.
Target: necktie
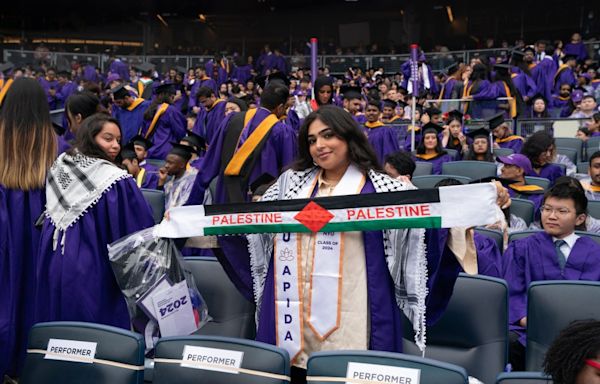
(562, 260)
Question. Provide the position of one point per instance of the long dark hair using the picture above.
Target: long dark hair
(438, 147)
(471, 155)
(320, 82)
(343, 125)
(84, 103)
(158, 100)
(27, 140)
(85, 141)
(535, 145)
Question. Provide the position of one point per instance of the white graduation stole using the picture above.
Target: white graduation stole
(324, 307)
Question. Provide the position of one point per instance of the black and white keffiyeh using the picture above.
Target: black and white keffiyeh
(75, 183)
(404, 248)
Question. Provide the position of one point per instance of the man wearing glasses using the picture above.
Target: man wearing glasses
(557, 253)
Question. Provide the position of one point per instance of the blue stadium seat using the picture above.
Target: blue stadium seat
(478, 342)
(592, 145)
(334, 364)
(539, 181)
(571, 143)
(422, 168)
(571, 153)
(472, 169)
(551, 307)
(119, 355)
(591, 235)
(260, 357)
(583, 167)
(452, 152)
(493, 234)
(523, 378)
(521, 234)
(424, 182)
(156, 200)
(156, 162)
(503, 151)
(594, 208)
(523, 208)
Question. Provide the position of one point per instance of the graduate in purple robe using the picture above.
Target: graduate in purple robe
(201, 80)
(504, 138)
(352, 102)
(212, 113)
(565, 73)
(538, 148)
(120, 68)
(199, 147)
(163, 123)
(270, 155)
(543, 76)
(383, 139)
(425, 82)
(562, 103)
(26, 124)
(430, 148)
(453, 136)
(50, 86)
(90, 74)
(378, 289)
(514, 169)
(90, 203)
(577, 48)
(129, 111)
(242, 72)
(65, 88)
(557, 253)
(480, 93)
(450, 82)
(141, 145)
(143, 178)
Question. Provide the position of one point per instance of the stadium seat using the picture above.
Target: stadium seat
(572, 143)
(583, 167)
(157, 162)
(497, 236)
(521, 235)
(478, 342)
(119, 355)
(232, 315)
(424, 182)
(563, 167)
(523, 208)
(552, 306)
(591, 235)
(594, 208)
(256, 356)
(422, 168)
(592, 145)
(452, 152)
(571, 153)
(472, 169)
(156, 200)
(334, 364)
(503, 151)
(539, 181)
(523, 378)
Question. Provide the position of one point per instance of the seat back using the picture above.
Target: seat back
(571, 143)
(539, 181)
(592, 145)
(232, 315)
(119, 354)
(335, 364)
(521, 234)
(453, 153)
(254, 356)
(497, 236)
(593, 208)
(523, 378)
(551, 307)
(571, 153)
(156, 200)
(472, 169)
(591, 235)
(422, 168)
(478, 342)
(523, 208)
(563, 167)
(503, 151)
(156, 162)
(583, 167)
(430, 181)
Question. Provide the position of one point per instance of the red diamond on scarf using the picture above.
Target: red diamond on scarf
(313, 216)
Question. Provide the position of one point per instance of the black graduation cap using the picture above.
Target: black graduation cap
(481, 132)
(496, 121)
(431, 127)
(119, 92)
(390, 103)
(164, 88)
(182, 150)
(402, 104)
(266, 179)
(455, 113)
(350, 92)
(145, 68)
(528, 48)
(264, 80)
(6, 67)
(569, 56)
(195, 141)
(517, 54)
(141, 141)
(128, 152)
(452, 69)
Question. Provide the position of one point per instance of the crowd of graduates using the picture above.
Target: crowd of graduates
(215, 134)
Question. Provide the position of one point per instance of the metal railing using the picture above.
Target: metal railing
(337, 64)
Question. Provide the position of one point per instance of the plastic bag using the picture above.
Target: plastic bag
(145, 268)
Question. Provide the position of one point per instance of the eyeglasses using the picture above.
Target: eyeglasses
(547, 209)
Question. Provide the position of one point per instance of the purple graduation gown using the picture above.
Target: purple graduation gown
(120, 68)
(515, 145)
(447, 88)
(170, 128)
(242, 73)
(534, 259)
(47, 85)
(150, 180)
(550, 172)
(484, 99)
(206, 82)
(19, 241)
(293, 121)
(383, 139)
(433, 87)
(278, 151)
(525, 84)
(208, 121)
(543, 76)
(385, 333)
(64, 92)
(578, 49)
(565, 76)
(131, 121)
(489, 257)
(437, 162)
(79, 285)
